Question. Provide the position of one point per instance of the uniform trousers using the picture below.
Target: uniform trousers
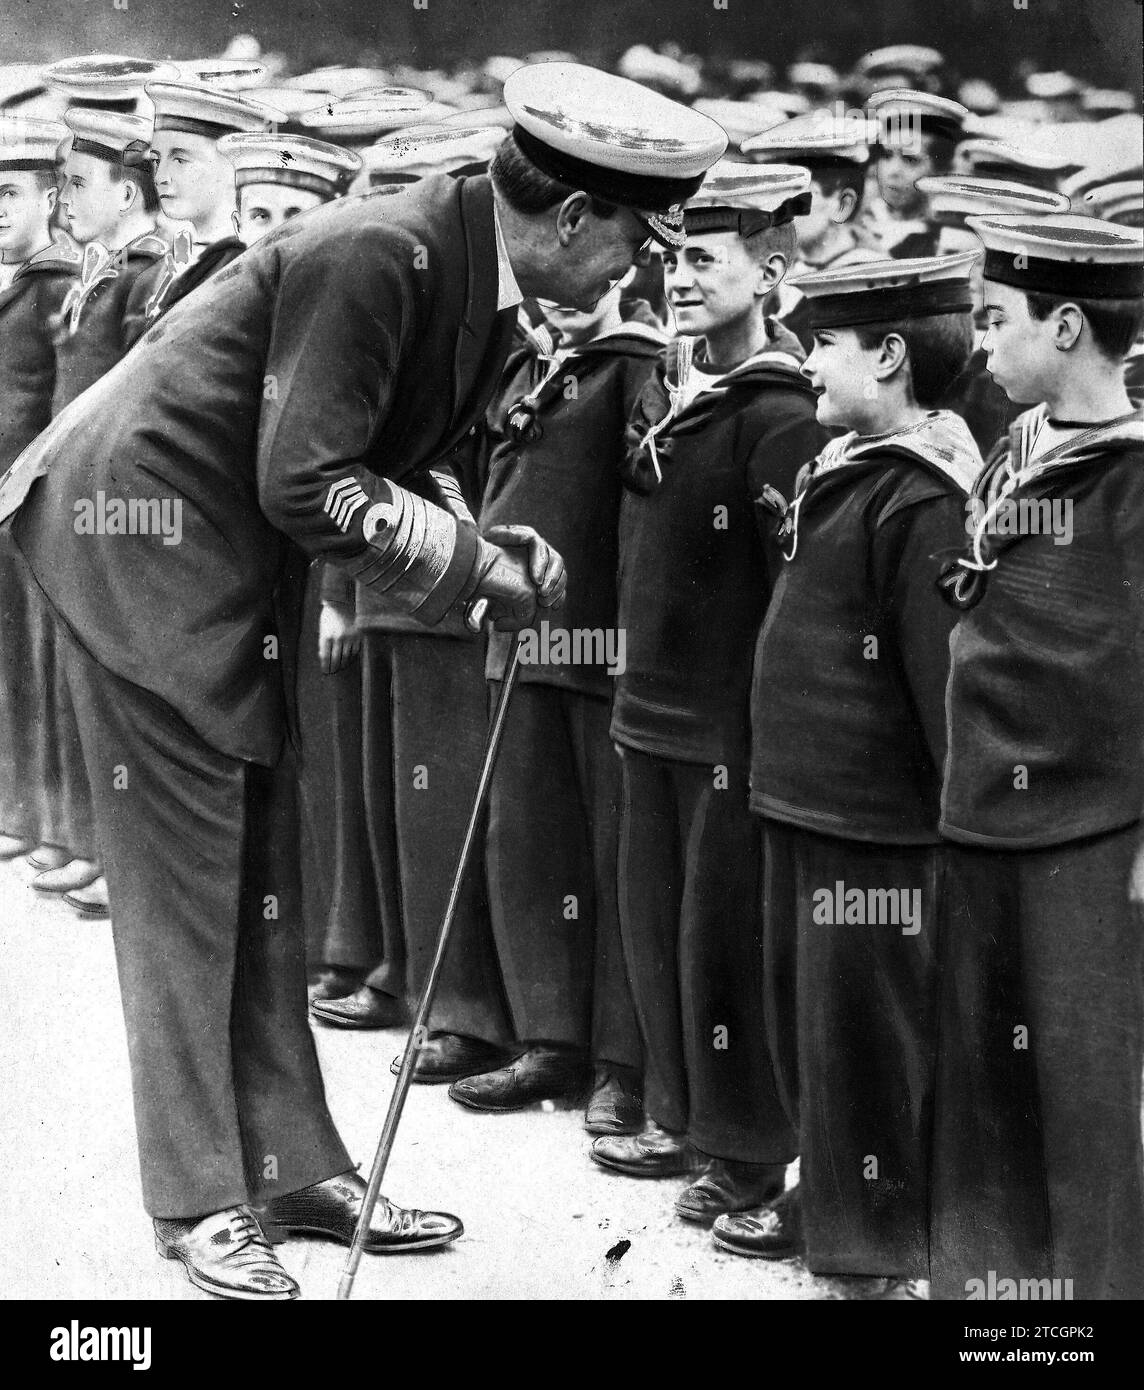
(852, 1014)
(201, 856)
(1037, 1151)
(690, 866)
(409, 726)
(553, 841)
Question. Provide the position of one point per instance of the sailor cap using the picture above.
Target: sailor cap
(643, 64)
(1102, 101)
(992, 158)
(364, 116)
(809, 141)
(500, 67)
(614, 139)
(495, 117)
(952, 199)
(439, 146)
(1063, 255)
(199, 109)
(933, 115)
(112, 136)
(1048, 86)
(339, 81)
(748, 198)
(740, 119)
(293, 160)
(27, 144)
(1121, 202)
(888, 291)
(291, 101)
(20, 83)
(106, 80)
(913, 58)
(787, 104)
(228, 74)
(820, 75)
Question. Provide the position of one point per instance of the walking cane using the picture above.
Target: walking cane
(413, 1042)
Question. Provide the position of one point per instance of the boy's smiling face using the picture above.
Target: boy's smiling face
(842, 371)
(712, 282)
(1021, 357)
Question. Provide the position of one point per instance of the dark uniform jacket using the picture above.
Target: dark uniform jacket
(695, 575)
(848, 738)
(554, 464)
(105, 312)
(1046, 688)
(351, 346)
(28, 310)
(175, 284)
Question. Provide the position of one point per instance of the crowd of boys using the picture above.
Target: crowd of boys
(815, 832)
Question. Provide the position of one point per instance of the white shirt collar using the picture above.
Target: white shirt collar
(508, 291)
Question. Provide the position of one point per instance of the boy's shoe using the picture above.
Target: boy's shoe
(92, 901)
(616, 1106)
(541, 1073)
(365, 1008)
(656, 1153)
(226, 1253)
(447, 1057)
(728, 1186)
(77, 873)
(48, 857)
(771, 1233)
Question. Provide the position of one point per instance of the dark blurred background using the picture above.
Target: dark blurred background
(1099, 40)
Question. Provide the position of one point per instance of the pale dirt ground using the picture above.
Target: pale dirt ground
(539, 1216)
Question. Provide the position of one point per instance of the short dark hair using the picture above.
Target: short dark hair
(938, 348)
(527, 189)
(833, 180)
(782, 240)
(143, 177)
(45, 179)
(1115, 323)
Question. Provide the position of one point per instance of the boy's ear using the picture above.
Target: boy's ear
(1068, 325)
(892, 356)
(846, 205)
(770, 271)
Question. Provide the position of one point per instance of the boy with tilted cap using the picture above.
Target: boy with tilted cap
(556, 442)
(848, 734)
(1039, 1166)
(725, 416)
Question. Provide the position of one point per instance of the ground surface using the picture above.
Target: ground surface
(540, 1218)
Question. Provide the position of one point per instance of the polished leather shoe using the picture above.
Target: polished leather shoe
(772, 1233)
(90, 902)
(331, 1209)
(616, 1106)
(656, 1153)
(334, 982)
(446, 1057)
(729, 1186)
(365, 1008)
(13, 846)
(541, 1073)
(78, 873)
(48, 857)
(226, 1253)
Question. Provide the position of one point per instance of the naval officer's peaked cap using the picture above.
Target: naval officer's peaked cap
(1063, 255)
(888, 291)
(200, 109)
(614, 139)
(27, 144)
(295, 161)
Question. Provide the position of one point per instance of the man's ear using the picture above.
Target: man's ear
(570, 216)
(129, 194)
(847, 202)
(771, 270)
(51, 195)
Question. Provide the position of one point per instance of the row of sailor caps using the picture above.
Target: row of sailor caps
(107, 81)
(294, 161)
(614, 139)
(748, 198)
(1122, 201)
(952, 199)
(408, 154)
(29, 144)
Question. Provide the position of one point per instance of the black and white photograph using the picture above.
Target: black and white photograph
(572, 663)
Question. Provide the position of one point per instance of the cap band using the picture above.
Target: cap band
(1043, 179)
(121, 106)
(135, 155)
(290, 178)
(1085, 279)
(27, 164)
(745, 221)
(193, 126)
(379, 179)
(889, 305)
(613, 185)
